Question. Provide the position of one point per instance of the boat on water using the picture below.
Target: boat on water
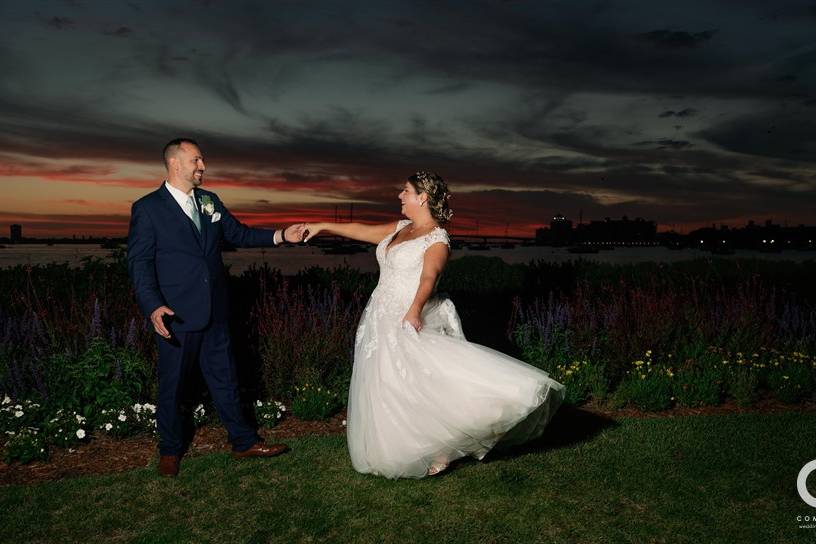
(584, 248)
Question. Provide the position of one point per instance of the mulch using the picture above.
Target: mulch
(105, 455)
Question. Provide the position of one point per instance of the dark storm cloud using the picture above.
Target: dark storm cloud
(782, 134)
(537, 135)
(121, 32)
(674, 39)
(667, 143)
(688, 112)
(60, 22)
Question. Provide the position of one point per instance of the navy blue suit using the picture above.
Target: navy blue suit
(172, 264)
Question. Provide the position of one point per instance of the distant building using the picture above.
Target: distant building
(559, 233)
(16, 233)
(770, 237)
(618, 231)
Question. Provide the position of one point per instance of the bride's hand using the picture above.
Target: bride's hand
(413, 319)
(311, 230)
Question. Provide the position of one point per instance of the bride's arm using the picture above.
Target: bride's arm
(356, 231)
(436, 257)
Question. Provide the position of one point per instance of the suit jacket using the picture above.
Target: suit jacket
(171, 264)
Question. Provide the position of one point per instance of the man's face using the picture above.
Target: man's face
(190, 164)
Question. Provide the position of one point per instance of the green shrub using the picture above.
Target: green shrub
(314, 402)
(65, 429)
(790, 383)
(25, 445)
(269, 413)
(583, 380)
(646, 386)
(695, 386)
(742, 384)
(101, 378)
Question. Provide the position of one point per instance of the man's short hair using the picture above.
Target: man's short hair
(173, 146)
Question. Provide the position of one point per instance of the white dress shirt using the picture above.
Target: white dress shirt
(181, 198)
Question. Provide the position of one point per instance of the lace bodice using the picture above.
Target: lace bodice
(401, 267)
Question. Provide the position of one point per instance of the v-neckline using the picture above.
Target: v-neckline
(389, 247)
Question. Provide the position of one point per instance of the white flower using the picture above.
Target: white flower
(108, 426)
(122, 417)
(80, 433)
(79, 418)
(6, 400)
(279, 415)
(18, 413)
(344, 423)
(18, 407)
(258, 403)
(137, 408)
(150, 407)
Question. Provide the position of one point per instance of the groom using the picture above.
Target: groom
(174, 262)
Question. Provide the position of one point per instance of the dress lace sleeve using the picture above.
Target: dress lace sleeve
(401, 224)
(436, 236)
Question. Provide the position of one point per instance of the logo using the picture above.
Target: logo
(801, 483)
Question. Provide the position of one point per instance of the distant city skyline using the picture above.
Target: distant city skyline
(557, 223)
(689, 114)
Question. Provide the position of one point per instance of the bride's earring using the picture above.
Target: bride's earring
(422, 203)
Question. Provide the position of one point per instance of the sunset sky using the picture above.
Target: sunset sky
(686, 113)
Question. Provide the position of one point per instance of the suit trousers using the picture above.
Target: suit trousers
(211, 350)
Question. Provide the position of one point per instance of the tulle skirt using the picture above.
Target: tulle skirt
(422, 400)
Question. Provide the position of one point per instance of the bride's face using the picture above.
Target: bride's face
(411, 200)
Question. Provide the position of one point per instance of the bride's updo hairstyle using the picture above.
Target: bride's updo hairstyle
(438, 194)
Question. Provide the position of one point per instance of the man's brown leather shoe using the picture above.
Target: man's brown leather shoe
(260, 449)
(169, 465)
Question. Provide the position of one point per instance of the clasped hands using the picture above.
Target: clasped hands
(294, 234)
(301, 232)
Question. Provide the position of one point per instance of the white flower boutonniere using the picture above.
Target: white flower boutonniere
(207, 205)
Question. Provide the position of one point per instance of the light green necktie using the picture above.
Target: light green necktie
(194, 212)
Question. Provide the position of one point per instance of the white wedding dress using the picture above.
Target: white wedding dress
(421, 400)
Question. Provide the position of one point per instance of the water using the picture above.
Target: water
(291, 259)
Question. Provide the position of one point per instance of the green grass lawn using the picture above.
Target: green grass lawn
(699, 479)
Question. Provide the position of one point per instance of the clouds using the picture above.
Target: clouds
(678, 39)
(614, 110)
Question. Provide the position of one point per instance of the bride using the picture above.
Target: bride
(421, 395)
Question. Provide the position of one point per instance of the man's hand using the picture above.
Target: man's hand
(294, 233)
(158, 323)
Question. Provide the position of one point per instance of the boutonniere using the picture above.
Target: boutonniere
(207, 205)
